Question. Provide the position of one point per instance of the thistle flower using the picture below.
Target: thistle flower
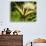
(27, 8)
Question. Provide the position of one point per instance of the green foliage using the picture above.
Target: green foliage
(15, 16)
